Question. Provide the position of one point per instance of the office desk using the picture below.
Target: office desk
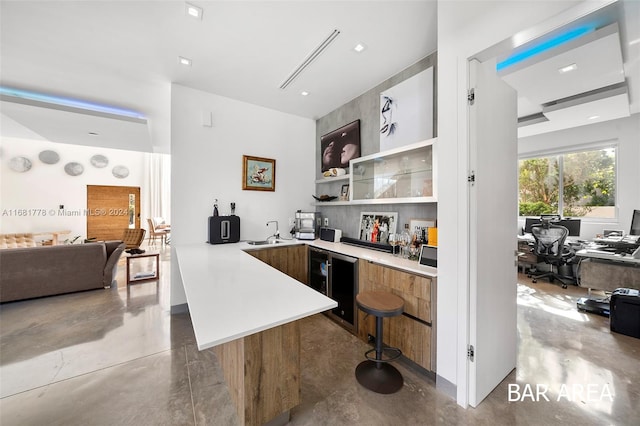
(602, 271)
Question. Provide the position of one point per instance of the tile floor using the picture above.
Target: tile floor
(117, 357)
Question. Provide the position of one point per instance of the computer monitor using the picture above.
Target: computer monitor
(635, 223)
(530, 222)
(572, 225)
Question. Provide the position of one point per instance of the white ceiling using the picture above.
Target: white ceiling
(605, 85)
(125, 54)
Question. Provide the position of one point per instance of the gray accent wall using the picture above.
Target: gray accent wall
(366, 108)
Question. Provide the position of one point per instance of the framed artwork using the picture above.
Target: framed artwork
(258, 174)
(344, 192)
(406, 111)
(339, 146)
(421, 226)
(376, 227)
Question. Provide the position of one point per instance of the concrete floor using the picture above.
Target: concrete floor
(117, 357)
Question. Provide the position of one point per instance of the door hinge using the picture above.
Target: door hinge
(471, 96)
(472, 178)
(470, 352)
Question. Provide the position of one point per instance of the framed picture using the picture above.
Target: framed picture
(258, 174)
(344, 192)
(376, 227)
(339, 146)
(420, 226)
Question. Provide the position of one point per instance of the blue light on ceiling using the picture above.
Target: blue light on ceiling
(543, 47)
(69, 102)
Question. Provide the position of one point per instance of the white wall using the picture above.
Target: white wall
(464, 29)
(43, 188)
(625, 133)
(207, 164)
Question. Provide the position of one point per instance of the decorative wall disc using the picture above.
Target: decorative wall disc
(99, 161)
(49, 157)
(74, 169)
(20, 164)
(120, 172)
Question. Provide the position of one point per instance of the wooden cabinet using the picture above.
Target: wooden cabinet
(292, 260)
(412, 332)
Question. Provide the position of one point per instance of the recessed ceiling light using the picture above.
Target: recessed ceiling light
(184, 61)
(593, 117)
(193, 11)
(568, 68)
(359, 47)
(304, 93)
(93, 133)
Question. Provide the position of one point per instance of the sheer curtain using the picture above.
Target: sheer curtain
(159, 168)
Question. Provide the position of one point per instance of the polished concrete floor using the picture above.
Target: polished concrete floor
(117, 357)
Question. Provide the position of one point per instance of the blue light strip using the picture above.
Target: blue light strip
(69, 102)
(550, 44)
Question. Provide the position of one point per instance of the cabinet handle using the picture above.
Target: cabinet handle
(328, 264)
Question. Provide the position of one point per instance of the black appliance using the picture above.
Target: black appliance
(625, 312)
(224, 229)
(336, 276)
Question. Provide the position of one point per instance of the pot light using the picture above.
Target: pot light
(359, 47)
(304, 93)
(568, 68)
(193, 11)
(593, 117)
(184, 61)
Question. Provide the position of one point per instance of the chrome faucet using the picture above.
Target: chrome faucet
(276, 234)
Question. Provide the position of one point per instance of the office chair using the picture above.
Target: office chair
(549, 245)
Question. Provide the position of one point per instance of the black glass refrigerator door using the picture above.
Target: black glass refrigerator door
(343, 276)
(318, 271)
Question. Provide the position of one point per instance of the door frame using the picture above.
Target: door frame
(463, 127)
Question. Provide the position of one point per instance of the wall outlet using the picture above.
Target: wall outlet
(326, 221)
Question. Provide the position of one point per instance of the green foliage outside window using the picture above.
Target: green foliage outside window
(588, 182)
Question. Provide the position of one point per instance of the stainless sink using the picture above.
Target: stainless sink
(262, 242)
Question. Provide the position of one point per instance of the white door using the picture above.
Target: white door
(492, 230)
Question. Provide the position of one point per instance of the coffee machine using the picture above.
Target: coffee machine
(307, 225)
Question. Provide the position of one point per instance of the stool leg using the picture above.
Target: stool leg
(378, 375)
(378, 341)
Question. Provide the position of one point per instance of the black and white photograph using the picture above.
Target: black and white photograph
(376, 227)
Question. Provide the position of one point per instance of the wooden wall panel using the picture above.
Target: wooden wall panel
(108, 211)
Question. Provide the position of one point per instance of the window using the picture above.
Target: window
(588, 184)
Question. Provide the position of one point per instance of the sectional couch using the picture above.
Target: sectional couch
(30, 272)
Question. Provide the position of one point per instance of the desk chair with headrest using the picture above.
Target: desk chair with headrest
(549, 245)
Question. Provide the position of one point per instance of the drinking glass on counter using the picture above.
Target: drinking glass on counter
(393, 241)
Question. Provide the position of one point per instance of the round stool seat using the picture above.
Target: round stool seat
(375, 373)
(380, 303)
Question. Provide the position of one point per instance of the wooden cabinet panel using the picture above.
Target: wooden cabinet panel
(411, 336)
(414, 289)
(414, 338)
(297, 263)
(292, 260)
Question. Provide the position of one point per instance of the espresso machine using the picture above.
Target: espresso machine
(307, 225)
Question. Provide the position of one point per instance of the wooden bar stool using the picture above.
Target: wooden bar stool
(376, 373)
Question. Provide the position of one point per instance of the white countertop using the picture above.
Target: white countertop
(380, 257)
(231, 294)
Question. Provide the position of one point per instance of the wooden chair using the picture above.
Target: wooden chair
(153, 233)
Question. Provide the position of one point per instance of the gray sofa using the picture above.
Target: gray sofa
(31, 272)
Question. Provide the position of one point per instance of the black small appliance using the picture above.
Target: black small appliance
(224, 229)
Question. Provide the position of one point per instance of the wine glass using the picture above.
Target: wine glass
(393, 240)
(404, 241)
